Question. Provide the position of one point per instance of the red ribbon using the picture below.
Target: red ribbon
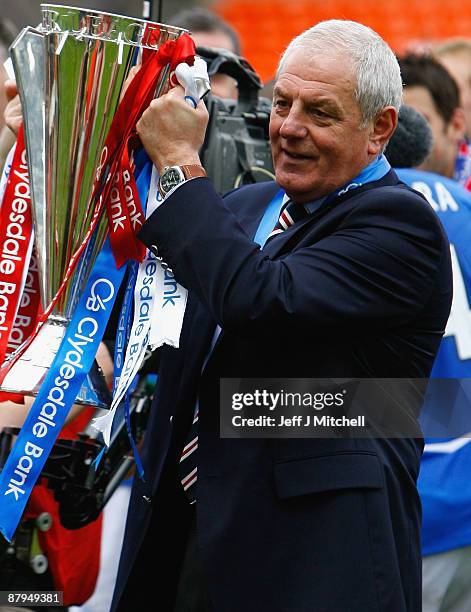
(15, 231)
(29, 308)
(125, 216)
(176, 52)
(25, 320)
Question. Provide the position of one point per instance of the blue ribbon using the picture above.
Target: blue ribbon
(58, 391)
(143, 173)
(124, 328)
(96, 462)
(124, 323)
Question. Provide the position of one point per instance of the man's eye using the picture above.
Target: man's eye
(319, 113)
(280, 103)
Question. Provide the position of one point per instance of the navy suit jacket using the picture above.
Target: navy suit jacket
(360, 288)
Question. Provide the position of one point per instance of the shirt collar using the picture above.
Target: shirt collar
(378, 168)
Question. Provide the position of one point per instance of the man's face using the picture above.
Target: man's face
(442, 159)
(459, 66)
(316, 138)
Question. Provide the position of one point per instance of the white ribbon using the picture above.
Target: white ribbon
(194, 79)
(171, 297)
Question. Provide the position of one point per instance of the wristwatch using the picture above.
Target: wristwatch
(174, 175)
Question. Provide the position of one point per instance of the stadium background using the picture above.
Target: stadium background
(266, 26)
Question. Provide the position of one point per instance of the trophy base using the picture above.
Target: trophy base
(28, 373)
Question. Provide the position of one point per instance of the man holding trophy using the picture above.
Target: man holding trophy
(353, 279)
(336, 269)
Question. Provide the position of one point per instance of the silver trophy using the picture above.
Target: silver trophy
(70, 73)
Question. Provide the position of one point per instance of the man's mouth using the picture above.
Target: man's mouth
(293, 155)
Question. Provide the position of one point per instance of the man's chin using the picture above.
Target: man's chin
(295, 189)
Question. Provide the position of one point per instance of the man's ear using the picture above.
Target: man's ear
(457, 124)
(382, 129)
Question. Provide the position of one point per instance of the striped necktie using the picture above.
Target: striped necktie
(291, 213)
(188, 468)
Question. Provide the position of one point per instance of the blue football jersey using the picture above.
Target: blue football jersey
(445, 475)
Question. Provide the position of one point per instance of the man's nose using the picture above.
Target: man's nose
(293, 126)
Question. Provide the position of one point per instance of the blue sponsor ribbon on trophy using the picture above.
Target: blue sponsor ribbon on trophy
(59, 390)
(122, 337)
(124, 323)
(142, 174)
(144, 299)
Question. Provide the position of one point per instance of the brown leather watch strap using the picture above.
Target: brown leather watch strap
(193, 171)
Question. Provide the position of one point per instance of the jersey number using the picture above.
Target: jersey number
(459, 323)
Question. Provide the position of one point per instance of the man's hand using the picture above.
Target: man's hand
(13, 113)
(171, 131)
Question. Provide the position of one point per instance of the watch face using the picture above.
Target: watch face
(170, 179)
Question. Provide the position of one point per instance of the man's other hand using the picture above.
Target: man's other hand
(172, 131)
(13, 113)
